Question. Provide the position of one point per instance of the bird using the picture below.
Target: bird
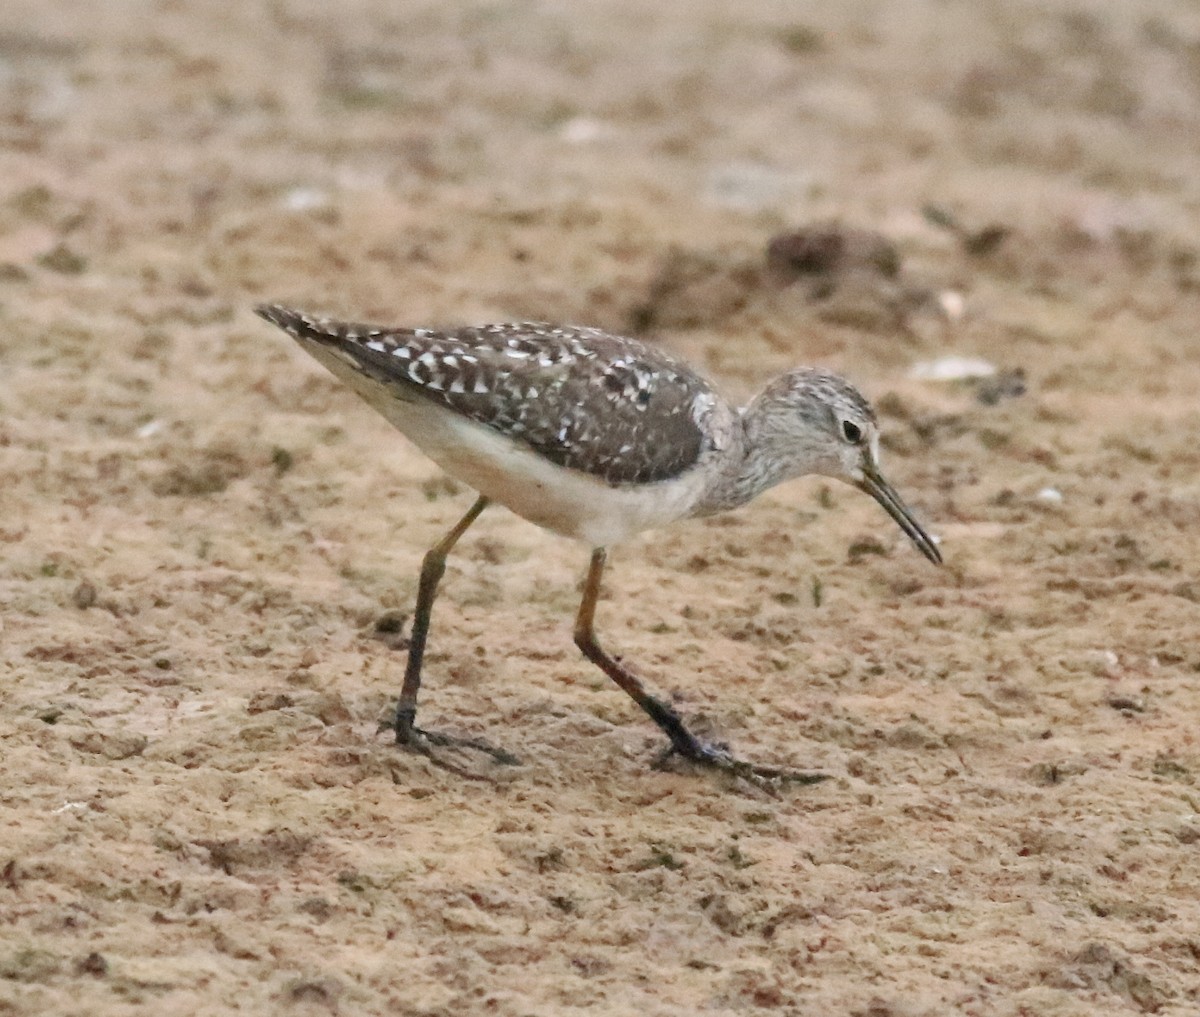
(596, 437)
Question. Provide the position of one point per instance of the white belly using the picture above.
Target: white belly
(562, 500)
(565, 501)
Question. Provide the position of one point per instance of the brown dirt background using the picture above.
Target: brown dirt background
(200, 529)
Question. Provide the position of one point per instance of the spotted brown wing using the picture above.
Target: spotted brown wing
(582, 398)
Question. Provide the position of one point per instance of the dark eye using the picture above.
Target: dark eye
(852, 432)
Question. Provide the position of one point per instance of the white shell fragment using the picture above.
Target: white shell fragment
(952, 368)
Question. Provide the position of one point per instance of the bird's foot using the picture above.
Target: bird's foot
(418, 740)
(717, 757)
(445, 741)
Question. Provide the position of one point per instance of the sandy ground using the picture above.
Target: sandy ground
(202, 534)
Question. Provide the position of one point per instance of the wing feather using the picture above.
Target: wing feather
(587, 400)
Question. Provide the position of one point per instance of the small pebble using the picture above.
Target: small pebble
(952, 368)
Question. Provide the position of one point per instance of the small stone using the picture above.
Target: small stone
(93, 964)
(829, 248)
(84, 596)
(1007, 384)
(63, 260)
(952, 368)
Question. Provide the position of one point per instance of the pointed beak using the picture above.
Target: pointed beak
(873, 483)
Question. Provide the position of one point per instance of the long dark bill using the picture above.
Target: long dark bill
(879, 489)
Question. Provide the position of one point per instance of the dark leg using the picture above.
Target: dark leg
(683, 742)
(432, 569)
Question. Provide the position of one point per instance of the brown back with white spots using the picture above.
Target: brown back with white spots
(584, 399)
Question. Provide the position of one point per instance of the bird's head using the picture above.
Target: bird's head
(817, 422)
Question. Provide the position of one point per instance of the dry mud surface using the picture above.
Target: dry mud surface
(204, 540)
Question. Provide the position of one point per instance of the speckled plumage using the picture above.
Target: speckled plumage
(605, 405)
(596, 437)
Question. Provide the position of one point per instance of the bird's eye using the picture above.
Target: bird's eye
(852, 432)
